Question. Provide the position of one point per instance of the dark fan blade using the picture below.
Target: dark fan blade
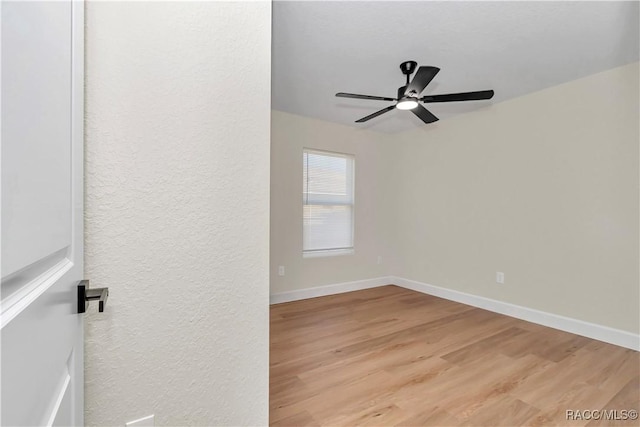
(463, 96)
(355, 95)
(376, 114)
(424, 114)
(422, 78)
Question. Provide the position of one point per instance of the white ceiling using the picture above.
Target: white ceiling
(514, 48)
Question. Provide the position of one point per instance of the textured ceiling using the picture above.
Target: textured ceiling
(514, 48)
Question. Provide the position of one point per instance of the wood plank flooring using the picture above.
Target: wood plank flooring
(393, 357)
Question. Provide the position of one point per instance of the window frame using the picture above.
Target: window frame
(327, 252)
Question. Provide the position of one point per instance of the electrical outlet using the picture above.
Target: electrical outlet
(500, 277)
(147, 421)
(281, 270)
(379, 260)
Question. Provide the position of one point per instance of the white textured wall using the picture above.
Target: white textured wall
(289, 135)
(543, 188)
(177, 211)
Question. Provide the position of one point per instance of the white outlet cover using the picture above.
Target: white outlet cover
(281, 270)
(500, 277)
(147, 421)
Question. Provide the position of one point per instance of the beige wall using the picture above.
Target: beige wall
(289, 135)
(177, 211)
(543, 188)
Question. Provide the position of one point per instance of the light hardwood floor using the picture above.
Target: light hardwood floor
(389, 356)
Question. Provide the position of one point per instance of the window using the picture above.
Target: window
(327, 197)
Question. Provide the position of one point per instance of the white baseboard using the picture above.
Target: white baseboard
(567, 324)
(322, 291)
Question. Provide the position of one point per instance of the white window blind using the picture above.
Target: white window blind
(328, 203)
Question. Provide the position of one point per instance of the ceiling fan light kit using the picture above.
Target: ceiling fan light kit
(408, 97)
(407, 104)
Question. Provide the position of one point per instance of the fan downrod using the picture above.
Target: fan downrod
(407, 68)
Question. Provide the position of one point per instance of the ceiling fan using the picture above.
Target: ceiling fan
(409, 95)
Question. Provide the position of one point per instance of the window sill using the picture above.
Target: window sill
(329, 252)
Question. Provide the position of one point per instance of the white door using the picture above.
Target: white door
(42, 208)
